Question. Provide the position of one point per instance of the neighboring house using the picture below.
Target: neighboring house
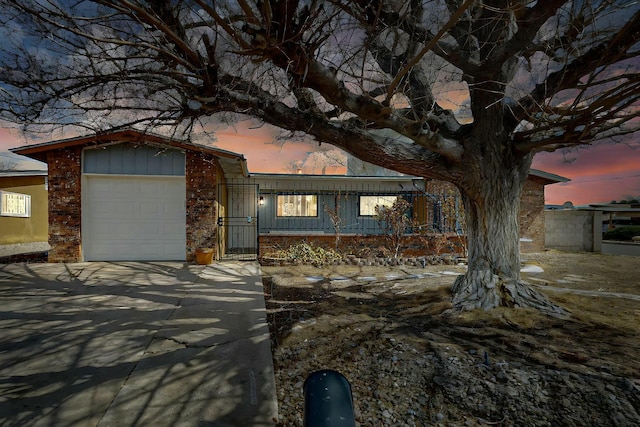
(615, 214)
(127, 195)
(23, 206)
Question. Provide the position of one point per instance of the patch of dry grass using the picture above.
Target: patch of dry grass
(602, 330)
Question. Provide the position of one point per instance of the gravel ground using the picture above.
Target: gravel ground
(411, 361)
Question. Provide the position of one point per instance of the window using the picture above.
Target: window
(368, 203)
(15, 204)
(297, 205)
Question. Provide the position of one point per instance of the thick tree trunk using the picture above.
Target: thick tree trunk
(492, 205)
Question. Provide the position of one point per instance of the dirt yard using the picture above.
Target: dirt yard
(412, 361)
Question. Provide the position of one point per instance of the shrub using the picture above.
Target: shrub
(624, 233)
(394, 221)
(305, 253)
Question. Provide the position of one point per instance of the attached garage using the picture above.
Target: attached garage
(128, 195)
(133, 218)
(133, 203)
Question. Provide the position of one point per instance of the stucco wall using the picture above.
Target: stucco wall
(573, 230)
(26, 230)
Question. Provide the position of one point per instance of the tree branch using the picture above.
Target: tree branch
(606, 53)
(427, 47)
(375, 149)
(529, 21)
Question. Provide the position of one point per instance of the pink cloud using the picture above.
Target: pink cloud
(259, 145)
(600, 173)
(9, 138)
(262, 154)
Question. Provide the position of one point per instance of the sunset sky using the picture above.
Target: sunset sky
(600, 173)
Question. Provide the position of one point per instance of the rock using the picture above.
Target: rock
(439, 380)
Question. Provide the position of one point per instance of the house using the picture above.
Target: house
(324, 208)
(300, 207)
(128, 195)
(23, 206)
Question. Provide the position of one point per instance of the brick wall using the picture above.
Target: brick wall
(532, 215)
(201, 205)
(201, 202)
(65, 210)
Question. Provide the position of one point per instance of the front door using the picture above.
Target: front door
(238, 223)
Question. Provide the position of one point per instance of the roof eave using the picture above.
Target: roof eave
(550, 177)
(39, 151)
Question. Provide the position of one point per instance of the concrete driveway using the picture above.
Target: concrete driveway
(134, 344)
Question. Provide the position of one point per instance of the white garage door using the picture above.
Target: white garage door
(137, 218)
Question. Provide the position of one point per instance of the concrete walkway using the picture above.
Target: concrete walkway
(134, 344)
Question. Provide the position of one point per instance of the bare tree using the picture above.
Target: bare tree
(467, 91)
(394, 221)
(334, 216)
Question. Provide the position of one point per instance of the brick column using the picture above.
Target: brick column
(65, 205)
(201, 202)
(532, 215)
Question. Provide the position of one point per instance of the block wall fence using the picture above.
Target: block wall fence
(573, 230)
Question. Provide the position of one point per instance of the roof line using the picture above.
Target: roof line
(332, 176)
(33, 172)
(548, 175)
(121, 135)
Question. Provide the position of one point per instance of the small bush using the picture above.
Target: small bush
(624, 233)
(307, 254)
(394, 221)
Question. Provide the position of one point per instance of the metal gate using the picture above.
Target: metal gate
(238, 221)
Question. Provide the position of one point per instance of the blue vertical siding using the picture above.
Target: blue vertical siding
(351, 221)
(426, 208)
(129, 159)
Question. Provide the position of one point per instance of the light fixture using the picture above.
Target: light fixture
(261, 201)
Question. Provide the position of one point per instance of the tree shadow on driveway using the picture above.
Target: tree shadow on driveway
(134, 344)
